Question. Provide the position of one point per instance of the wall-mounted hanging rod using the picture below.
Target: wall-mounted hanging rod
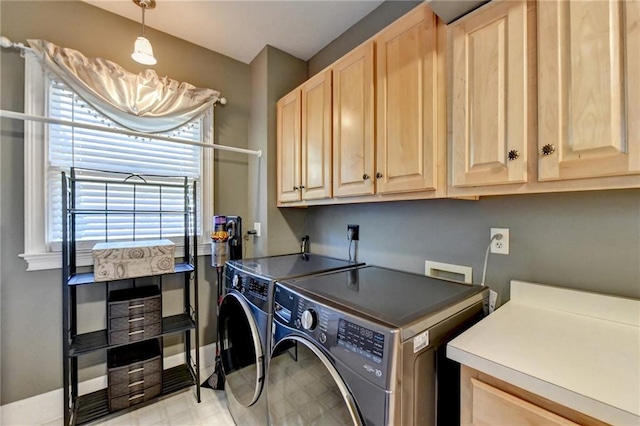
(21, 116)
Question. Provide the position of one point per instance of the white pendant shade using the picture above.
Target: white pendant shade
(143, 52)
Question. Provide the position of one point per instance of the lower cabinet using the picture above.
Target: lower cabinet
(485, 400)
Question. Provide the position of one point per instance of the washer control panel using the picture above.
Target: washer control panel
(254, 289)
(356, 342)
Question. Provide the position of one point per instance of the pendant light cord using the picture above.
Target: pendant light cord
(143, 5)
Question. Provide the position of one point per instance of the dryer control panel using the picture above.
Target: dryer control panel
(356, 342)
(254, 289)
(361, 340)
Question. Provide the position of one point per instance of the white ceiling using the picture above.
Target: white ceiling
(241, 28)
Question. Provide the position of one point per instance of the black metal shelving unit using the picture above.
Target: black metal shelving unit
(80, 409)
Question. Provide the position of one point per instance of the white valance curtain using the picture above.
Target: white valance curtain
(152, 104)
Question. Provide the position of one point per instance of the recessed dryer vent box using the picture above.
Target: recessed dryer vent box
(448, 271)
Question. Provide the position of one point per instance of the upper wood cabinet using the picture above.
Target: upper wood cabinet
(316, 137)
(589, 88)
(353, 121)
(539, 96)
(491, 95)
(407, 104)
(304, 141)
(288, 148)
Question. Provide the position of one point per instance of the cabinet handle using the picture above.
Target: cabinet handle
(365, 176)
(378, 175)
(137, 370)
(513, 155)
(295, 188)
(548, 149)
(136, 397)
(136, 383)
(302, 187)
(136, 319)
(131, 333)
(136, 306)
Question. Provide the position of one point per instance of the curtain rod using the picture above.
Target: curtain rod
(21, 116)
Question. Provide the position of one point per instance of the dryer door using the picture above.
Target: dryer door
(303, 387)
(240, 349)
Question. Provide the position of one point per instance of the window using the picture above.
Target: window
(51, 149)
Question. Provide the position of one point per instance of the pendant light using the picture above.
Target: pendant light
(142, 50)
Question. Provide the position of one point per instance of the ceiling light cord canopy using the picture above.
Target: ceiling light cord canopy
(142, 50)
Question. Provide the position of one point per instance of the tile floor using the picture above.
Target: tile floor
(180, 409)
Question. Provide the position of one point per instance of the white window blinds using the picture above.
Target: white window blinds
(70, 146)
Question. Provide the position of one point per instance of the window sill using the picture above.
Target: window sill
(53, 260)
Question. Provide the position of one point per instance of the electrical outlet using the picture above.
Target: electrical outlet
(256, 227)
(500, 246)
(353, 232)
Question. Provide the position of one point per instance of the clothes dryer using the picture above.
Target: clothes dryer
(366, 346)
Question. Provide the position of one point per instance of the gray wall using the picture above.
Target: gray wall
(31, 301)
(274, 73)
(582, 240)
(587, 240)
(382, 16)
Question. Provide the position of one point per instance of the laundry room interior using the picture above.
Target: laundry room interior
(488, 106)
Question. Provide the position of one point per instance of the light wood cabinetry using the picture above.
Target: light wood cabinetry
(288, 148)
(353, 120)
(304, 141)
(316, 137)
(386, 104)
(589, 110)
(491, 406)
(410, 140)
(491, 95)
(542, 97)
(485, 400)
(577, 126)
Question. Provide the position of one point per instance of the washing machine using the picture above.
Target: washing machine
(245, 321)
(367, 346)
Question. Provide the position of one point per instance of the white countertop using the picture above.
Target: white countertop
(579, 349)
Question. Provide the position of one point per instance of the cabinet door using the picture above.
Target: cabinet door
(406, 58)
(589, 114)
(353, 143)
(492, 406)
(288, 147)
(490, 95)
(316, 137)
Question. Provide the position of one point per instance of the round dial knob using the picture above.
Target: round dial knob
(309, 319)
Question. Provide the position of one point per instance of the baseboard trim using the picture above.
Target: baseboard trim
(49, 405)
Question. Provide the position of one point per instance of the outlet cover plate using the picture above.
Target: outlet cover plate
(500, 246)
(355, 229)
